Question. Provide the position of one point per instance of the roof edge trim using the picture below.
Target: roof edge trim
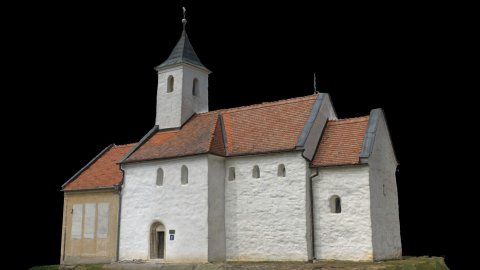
(88, 165)
(311, 119)
(224, 132)
(140, 143)
(369, 138)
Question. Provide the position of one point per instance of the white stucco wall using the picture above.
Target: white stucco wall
(169, 105)
(346, 235)
(183, 208)
(265, 218)
(190, 103)
(176, 107)
(383, 189)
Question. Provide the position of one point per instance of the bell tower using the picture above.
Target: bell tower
(182, 85)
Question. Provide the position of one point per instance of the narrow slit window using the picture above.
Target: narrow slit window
(184, 175)
(195, 87)
(170, 81)
(159, 177)
(231, 173)
(335, 204)
(256, 172)
(281, 170)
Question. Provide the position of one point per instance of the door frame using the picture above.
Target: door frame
(155, 228)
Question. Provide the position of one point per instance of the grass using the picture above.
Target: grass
(55, 267)
(45, 267)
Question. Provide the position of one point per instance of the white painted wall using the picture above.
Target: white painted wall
(194, 104)
(266, 218)
(183, 208)
(169, 105)
(346, 235)
(384, 197)
(176, 107)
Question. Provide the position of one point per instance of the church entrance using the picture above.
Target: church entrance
(157, 241)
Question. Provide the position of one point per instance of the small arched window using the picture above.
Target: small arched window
(170, 84)
(335, 204)
(184, 175)
(281, 170)
(195, 87)
(159, 177)
(256, 172)
(231, 173)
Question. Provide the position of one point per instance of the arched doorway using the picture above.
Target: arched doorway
(157, 241)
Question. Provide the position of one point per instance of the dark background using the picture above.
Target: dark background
(83, 78)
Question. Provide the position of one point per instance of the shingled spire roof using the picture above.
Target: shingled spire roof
(182, 53)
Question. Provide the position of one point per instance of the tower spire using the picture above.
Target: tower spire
(183, 52)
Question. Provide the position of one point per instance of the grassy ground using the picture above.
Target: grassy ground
(409, 263)
(79, 267)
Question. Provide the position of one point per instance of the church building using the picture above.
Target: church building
(276, 181)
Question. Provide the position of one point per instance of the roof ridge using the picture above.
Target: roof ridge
(263, 104)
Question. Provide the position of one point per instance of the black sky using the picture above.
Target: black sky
(84, 78)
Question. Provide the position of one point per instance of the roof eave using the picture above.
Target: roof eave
(183, 62)
(338, 165)
(208, 152)
(163, 158)
(94, 189)
(266, 152)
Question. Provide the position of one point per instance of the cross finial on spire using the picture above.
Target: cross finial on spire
(184, 21)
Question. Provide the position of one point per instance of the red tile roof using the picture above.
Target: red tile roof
(260, 128)
(195, 137)
(266, 127)
(341, 142)
(104, 172)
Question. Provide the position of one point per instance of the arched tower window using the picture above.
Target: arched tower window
(170, 84)
(184, 175)
(159, 177)
(256, 172)
(281, 170)
(195, 87)
(335, 204)
(231, 173)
